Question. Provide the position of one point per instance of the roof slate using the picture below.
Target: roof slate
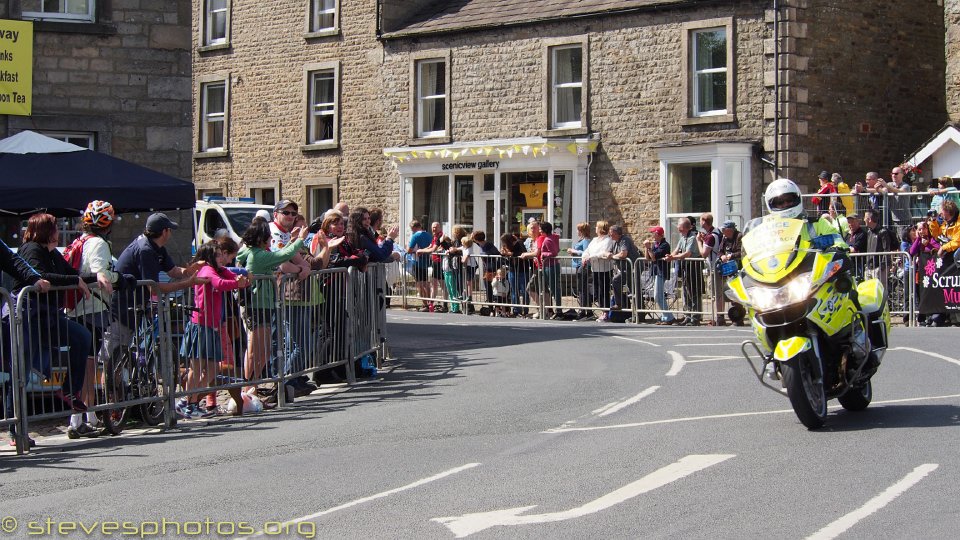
(470, 14)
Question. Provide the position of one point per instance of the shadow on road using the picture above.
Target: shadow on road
(896, 416)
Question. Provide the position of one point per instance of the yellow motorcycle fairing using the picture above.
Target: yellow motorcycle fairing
(833, 311)
(791, 347)
(772, 248)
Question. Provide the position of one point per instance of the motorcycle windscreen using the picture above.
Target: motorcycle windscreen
(770, 248)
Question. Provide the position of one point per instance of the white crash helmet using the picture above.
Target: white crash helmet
(783, 199)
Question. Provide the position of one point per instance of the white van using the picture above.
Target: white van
(231, 213)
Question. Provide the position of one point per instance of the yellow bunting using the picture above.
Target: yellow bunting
(535, 151)
(572, 148)
(428, 153)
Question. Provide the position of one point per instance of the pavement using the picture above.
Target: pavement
(506, 428)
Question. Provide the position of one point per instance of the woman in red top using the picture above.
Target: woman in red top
(826, 188)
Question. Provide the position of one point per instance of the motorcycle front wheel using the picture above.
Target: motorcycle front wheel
(805, 390)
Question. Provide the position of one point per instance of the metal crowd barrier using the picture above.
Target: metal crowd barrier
(896, 209)
(132, 360)
(9, 370)
(897, 273)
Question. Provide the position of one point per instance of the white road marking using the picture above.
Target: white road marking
(712, 359)
(681, 329)
(627, 402)
(380, 495)
(841, 525)
(468, 524)
(636, 341)
(710, 344)
(732, 415)
(601, 409)
(678, 363)
(934, 355)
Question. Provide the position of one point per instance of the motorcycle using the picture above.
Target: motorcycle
(817, 331)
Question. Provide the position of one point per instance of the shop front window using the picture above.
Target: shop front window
(688, 195)
(430, 200)
(562, 187)
(527, 194)
(463, 202)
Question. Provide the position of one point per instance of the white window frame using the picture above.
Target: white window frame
(691, 96)
(422, 99)
(206, 25)
(90, 16)
(313, 71)
(207, 118)
(89, 137)
(695, 75)
(317, 10)
(555, 86)
(720, 157)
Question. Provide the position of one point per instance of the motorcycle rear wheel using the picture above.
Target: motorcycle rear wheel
(857, 399)
(805, 390)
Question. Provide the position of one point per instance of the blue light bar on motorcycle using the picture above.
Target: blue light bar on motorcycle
(729, 268)
(824, 241)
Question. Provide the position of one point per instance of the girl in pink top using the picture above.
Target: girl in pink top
(201, 336)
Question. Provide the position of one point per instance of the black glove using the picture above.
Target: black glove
(127, 281)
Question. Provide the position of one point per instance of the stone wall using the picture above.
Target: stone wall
(635, 101)
(126, 78)
(864, 84)
(830, 118)
(265, 63)
(952, 49)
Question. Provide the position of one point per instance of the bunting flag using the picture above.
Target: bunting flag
(576, 148)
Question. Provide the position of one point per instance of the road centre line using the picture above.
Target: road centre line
(712, 359)
(636, 341)
(711, 344)
(627, 402)
(730, 415)
(380, 495)
(841, 525)
(934, 355)
(678, 363)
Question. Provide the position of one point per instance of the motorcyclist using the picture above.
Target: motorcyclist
(782, 198)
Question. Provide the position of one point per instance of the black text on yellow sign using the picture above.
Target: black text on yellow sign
(16, 67)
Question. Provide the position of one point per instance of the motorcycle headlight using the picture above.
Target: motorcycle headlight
(768, 298)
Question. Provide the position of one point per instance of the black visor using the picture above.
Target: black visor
(782, 202)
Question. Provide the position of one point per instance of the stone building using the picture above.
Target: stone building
(488, 112)
(113, 76)
(952, 53)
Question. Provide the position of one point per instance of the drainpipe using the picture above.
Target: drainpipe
(776, 87)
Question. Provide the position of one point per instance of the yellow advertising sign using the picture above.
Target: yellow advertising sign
(16, 67)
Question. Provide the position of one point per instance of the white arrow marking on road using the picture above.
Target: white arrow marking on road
(468, 524)
(627, 402)
(841, 525)
(380, 495)
(636, 341)
(678, 363)
(935, 355)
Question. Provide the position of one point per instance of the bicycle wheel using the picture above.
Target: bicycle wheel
(148, 385)
(116, 390)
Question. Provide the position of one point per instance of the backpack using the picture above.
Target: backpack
(74, 256)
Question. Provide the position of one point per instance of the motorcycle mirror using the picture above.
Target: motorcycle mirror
(843, 284)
